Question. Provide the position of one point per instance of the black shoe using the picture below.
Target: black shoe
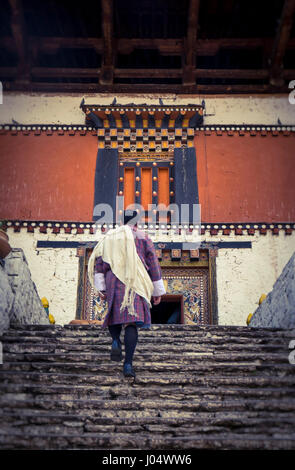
(116, 351)
(128, 370)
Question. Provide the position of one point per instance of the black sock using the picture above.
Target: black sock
(130, 339)
(115, 331)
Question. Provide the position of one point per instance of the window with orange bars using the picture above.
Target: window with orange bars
(146, 183)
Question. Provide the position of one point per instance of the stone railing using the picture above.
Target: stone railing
(20, 302)
(278, 309)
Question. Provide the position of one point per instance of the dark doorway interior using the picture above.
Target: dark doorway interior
(166, 312)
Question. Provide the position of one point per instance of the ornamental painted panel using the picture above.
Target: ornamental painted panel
(192, 284)
(93, 308)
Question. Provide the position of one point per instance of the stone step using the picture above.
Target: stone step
(247, 382)
(166, 430)
(209, 331)
(199, 330)
(196, 387)
(158, 370)
(165, 392)
(184, 357)
(141, 408)
(179, 333)
(144, 441)
(191, 360)
(219, 418)
(20, 346)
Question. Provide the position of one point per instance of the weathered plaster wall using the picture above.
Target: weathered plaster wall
(246, 177)
(47, 177)
(242, 274)
(33, 108)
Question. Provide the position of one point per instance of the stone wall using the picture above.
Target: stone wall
(278, 309)
(20, 302)
(6, 299)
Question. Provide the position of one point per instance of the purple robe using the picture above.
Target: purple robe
(115, 289)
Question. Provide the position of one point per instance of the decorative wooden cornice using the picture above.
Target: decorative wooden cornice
(78, 129)
(47, 129)
(143, 116)
(207, 229)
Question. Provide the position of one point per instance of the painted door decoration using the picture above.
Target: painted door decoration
(192, 284)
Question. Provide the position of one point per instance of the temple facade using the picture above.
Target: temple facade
(225, 155)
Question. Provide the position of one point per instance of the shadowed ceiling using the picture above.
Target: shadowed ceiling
(187, 46)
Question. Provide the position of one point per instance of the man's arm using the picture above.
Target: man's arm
(154, 270)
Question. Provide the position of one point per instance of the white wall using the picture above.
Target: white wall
(38, 108)
(242, 274)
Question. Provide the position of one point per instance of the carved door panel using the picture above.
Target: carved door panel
(192, 284)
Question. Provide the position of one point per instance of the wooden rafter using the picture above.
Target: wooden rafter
(82, 73)
(203, 47)
(145, 88)
(190, 43)
(19, 38)
(281, 41)
(185, 79)
(148, 73)
(107, 72)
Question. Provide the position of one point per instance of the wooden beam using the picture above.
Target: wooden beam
(164, 46)
(280, 42)
(144, 88)
(66, 72)
(211, 47)
(203, 47)
(20, 40)
(190, 43)
(232, 73)
(107, 72)
(148, 73)
(52, 44)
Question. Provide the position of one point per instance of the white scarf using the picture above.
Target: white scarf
(118, 249)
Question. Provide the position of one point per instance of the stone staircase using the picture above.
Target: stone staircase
(209, 387)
